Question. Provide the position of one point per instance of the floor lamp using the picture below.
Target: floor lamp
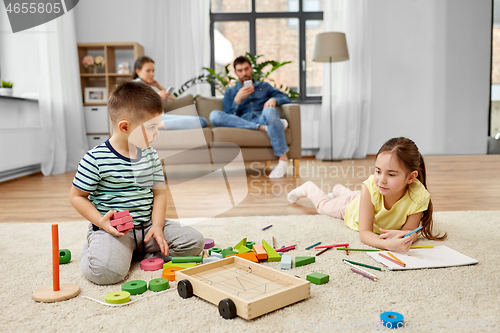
(330, 47)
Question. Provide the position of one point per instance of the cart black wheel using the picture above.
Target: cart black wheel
(227, 309)
(185, 289)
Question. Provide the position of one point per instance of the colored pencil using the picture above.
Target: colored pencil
(411, 232)
(346, 252)
(330, 246)
(390, 259)
(274, 244)
(364, 265)
(288, 248)
(389, 253)
(322, 251)
(360, 269)
(363, 274)
(269, 226)
(367, 250)
(421, 247)
(310, 246)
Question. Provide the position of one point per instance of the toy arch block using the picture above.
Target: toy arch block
(272, 255)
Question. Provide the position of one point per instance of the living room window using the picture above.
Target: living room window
(281, 30)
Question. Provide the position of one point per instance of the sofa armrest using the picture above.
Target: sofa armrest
(291, 112)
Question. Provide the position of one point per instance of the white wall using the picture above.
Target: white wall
(431, 74)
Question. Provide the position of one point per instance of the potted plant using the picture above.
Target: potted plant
(221, 81)
(6, 89)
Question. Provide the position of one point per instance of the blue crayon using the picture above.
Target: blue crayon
(315, 244)
(415, 230)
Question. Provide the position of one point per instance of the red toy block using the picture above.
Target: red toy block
(123, 220)
(119, 215)
(125, 227)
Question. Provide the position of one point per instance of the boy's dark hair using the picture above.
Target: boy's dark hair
(134, 100)
(241, 60)
(140, 62)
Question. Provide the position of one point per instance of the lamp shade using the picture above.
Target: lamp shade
(330, 47)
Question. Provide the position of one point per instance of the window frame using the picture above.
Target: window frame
(251, 18)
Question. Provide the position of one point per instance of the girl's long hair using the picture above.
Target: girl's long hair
(407, 152)
(139, 63)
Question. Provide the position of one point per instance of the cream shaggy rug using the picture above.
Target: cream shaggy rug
(465, 297)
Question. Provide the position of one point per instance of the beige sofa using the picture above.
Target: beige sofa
(254, 145)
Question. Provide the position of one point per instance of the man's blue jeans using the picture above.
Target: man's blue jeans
(176, 122)
(268, 117)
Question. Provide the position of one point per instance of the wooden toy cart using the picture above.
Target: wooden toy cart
(241, 287)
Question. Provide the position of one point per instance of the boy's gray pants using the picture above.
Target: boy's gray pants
(106, 258)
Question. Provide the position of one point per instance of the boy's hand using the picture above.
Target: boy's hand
(388, 234)
(156, 232)
(105, 224)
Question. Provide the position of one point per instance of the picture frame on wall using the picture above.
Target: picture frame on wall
(96, 95)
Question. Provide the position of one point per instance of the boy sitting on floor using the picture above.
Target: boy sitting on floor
(124, 173)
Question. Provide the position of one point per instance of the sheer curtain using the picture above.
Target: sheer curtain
(350, 84)
(181, 37)
(60, 102)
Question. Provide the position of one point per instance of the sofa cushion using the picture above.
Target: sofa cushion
(182, 139)
(178, 103)
(205, 105)
(245, 137)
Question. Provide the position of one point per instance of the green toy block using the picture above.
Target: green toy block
(318, 278)
(182, 265)
(243, 249)
(228, 251)
(214, 249)
(272, 255)
(243, 242)
(250, 244)
(186, 259)
(301, 261)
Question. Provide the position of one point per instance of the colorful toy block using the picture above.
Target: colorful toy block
(135, 287)
(302, 261)
(152, 264)
(243, 242)
(125, 227)
(64, 256)
(259, 251)
(244, 249)
(286, 261)
(169, 273)
(159, 284)
(123, 220)
(210, 259)
(187, 259)
(217, 255)
(318, 278)
(228, 251)
(209, 243)
(183, 265)
(117, 297)
(248, 256)
(272, 255)
(119, 215)
(214, 249)
(250, 244)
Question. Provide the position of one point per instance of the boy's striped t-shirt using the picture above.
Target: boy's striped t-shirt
(119, 183)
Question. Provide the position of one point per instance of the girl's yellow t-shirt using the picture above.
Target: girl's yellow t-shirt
(415, 200)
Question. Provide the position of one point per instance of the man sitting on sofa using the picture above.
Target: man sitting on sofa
(251, 104)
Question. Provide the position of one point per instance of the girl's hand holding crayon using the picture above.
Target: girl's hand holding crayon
(399, 244)
(156, 232)
(388, 234)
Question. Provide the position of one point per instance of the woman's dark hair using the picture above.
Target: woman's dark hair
(407, 152)
(139, 63)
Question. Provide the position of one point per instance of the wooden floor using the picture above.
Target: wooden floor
(455, 183)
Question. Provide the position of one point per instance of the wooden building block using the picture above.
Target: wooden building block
(119, 215)
(243, 242)
(272, 255)
(243, 249)
(318, 278)
(248, 256)
(259, 251)
(228, 251)
(301, 261)
(125, 227)
(286, 261)
(187, 259)
(210, 259)
(183, 265)
(122, 220)
(217, 255)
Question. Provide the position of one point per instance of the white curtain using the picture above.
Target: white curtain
(350, 109)
(60, 101)
(180, 31)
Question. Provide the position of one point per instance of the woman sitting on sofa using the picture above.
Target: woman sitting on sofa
(144, 71)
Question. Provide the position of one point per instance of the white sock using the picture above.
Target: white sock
(285, 123)
(330, 196)
(280, 170)
(296, 194)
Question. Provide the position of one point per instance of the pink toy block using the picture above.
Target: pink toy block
(123, 220)
(152, 264)
(125, 227)
(119, 215)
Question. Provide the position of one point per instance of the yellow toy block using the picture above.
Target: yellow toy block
(272, 255)
(243, 249)
(243, 242)
(181, 264)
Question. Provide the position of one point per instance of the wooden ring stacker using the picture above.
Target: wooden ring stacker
(209, 243)
(169, 273)
(152, 264)
(117, 297)
(159, 284)
(57, 292)
(64, 256)
(135, 287)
